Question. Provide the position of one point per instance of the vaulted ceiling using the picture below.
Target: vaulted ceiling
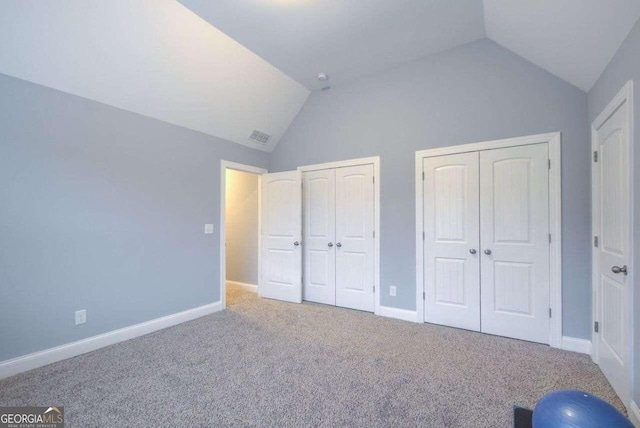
(152, 57)
(229, 67)
(343, 38)
(574, 39)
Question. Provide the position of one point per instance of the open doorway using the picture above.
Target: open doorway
(239, 231)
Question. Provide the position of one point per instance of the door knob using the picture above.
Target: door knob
(338, 245)
(618, 269)
(296, 243)
(330, 244)
(487, 252)
(472, 251)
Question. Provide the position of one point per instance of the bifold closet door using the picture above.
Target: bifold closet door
(319, 225)
(451, 235)
(354, 237)
(514, 213)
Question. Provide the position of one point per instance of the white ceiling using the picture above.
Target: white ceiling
(153, 57)
(574, 39)
(343, 38)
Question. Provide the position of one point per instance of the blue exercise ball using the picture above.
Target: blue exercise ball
(576, 409)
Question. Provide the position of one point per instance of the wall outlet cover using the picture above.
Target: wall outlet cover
(208, 229)
(392, 290)
(81, 316)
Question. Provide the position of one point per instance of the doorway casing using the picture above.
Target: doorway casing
(224, 166)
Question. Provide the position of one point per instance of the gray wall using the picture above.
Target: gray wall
(241, 217)
(623, 67)
(102, 210)
(472, 93)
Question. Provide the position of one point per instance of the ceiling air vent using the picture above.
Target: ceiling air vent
(259, 137)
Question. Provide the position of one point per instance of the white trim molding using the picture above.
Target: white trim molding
(634, 414)
(575, 344)
(243, 285)
(625, 95)
(399, 314)
(62, 352)
(375, 161)
(555, 218)
(224, 165)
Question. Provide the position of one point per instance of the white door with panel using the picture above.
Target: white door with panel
(486, 241)
(514, 234)
(611, 199)
(354, 238)
(281, 217)
(338, 234)
(319, 224)
(451, 235)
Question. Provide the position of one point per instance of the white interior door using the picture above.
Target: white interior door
(514, 234)
(319, 224)
(281, 276)
(451, 235)
(612, 202)
(354, 238)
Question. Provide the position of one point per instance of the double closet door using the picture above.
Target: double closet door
(338, 225)
(486, 241)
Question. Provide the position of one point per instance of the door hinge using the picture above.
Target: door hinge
(424, 295)
(374, 234)
(374, 288)
(596, 326)
(422, 175)
(549, 163)
(595, 241)
(423, 235)
(549, 238)
(374, 179)
(549, 312)
(595, 156)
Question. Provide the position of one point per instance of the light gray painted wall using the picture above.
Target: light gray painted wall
(625, 66)
(476, 92)
(103, 210)
(241, 217)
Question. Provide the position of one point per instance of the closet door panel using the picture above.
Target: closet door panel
(514, 212)
(354, 237)
(319, 236)
(451, 226)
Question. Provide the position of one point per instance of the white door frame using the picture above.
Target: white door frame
(555, 219)
(375, 161)
(624, 95)
(224, 165)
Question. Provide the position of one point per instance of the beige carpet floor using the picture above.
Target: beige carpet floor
(268, 363)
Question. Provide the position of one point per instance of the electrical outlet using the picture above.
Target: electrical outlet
(392, 290)
(81, 317)
(208, 229)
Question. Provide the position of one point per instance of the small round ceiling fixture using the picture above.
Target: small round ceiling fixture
(323, 77)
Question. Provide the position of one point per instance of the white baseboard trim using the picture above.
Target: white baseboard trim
(576, 345)
(400, 314)
(244, 285)
(42, 358)
(634, 414)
